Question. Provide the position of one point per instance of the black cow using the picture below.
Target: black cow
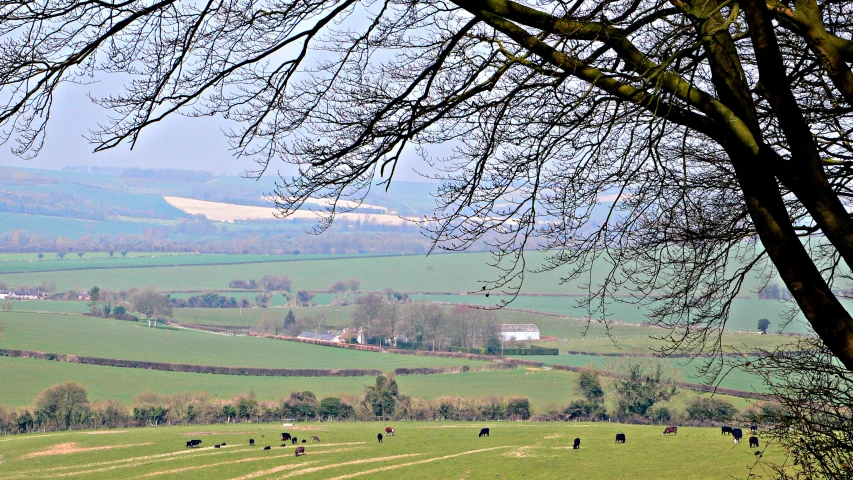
(304, 441)
(484, 432)
(753, 442)
(727, 430)
(285, 436)
(620, 438)
(223, 444)
(193, 443)
(379, 437)
(216, 446)
(294, 440)
(753, 429)
(300, 451)
(577, 444)
(738, 434)
(251, 442)
(267, 447)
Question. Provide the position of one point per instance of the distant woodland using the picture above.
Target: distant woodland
(250, 241)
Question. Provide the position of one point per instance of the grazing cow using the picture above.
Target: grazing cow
(283, 445)
(267, 447)
(304, 441)
(223, 444)
(672, 430)
(389, 431)
(216, 446)
(315, 438)
(294, 440)
(251, 442)
(194, 443)
(189, 443)
(753, 442)
(484, 432)
(727, 430)
(738, 434)
(577, 444)
(300, 451)
(379, 437)
(753, 429)
(285, 437)
(620, 438)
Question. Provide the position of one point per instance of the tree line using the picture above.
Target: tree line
(201, 236)
(66, 406)
(389, 318)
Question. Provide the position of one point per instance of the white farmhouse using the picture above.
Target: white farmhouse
(519, 331)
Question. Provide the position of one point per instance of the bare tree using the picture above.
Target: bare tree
(719, 128)
(151, 304)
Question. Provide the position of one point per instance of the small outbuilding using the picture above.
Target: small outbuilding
(325, 337)
(519, 331)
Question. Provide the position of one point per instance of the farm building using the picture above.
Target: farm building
(519, 331)
(326, 337)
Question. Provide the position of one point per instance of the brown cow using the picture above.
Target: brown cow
(672, 430)
(315, 438)
(389, 431)
(300, 451)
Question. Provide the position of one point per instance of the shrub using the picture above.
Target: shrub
(703, 409)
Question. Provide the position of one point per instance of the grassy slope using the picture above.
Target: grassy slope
(446, 450)
(29, 262)
(100, 337)
(458, 273)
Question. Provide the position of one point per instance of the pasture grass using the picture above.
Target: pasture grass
(29, 262)
(336, 317)
(450, 272)
(101, 337)
(418, 449)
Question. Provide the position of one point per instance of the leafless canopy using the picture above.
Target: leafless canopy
(721, 127)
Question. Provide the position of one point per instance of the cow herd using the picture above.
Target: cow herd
(736, 433)
(285, 437)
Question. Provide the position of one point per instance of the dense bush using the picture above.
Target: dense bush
(702, 409)
(209, 300)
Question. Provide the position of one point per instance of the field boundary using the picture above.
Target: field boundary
(105, 267)
(691, 386)
(189, 368)
(400, 351)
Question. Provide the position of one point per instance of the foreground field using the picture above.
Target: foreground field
(350, 450)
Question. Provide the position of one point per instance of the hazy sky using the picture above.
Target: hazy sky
(179, 142)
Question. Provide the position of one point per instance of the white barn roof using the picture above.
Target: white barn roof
(519, 327)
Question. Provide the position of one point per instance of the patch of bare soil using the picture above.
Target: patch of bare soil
(419, 462)
(556, 435)
(353, 462)
(472, 426)
(193, 434)
(306, 428)
(73, 447)
(104, 432)
(520, 452)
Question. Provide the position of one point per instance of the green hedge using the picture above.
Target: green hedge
(511, 351)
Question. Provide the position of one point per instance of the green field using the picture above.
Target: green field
(574, 334)
(745, 312)
(336, 317)
(29, 262)
(452, 273)
(349, 450)
(99, 337)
